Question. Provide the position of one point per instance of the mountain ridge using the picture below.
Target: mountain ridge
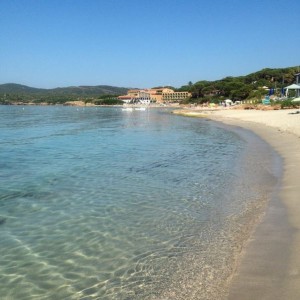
(82, 89)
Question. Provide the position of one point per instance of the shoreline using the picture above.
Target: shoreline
(89, 104)
(269, 264)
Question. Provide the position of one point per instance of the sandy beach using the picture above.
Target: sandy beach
(269, 265)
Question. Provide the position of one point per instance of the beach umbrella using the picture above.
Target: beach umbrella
(292, 87)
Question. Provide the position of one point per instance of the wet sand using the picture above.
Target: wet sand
(269, 265)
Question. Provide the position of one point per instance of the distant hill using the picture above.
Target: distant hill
(17, 93)
(18, 88)
(91, 90)
(72, 90)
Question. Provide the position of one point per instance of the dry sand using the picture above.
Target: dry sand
(269, 267)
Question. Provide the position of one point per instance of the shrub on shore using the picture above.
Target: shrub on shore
(289, 104)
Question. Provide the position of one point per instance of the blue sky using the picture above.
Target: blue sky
(143, 43)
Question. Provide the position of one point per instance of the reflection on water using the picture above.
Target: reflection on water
(105, 204)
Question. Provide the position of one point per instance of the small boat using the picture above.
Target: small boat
(127, 109)
(140, 108)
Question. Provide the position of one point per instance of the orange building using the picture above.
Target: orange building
(159, 95)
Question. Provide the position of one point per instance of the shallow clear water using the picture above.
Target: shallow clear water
(100, 203)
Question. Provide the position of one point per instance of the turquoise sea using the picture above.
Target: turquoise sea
(100, 203)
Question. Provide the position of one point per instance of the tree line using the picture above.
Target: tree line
(252, 86)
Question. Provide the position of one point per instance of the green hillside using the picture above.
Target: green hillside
(16, 93)
(18, 88)
(242, 87)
